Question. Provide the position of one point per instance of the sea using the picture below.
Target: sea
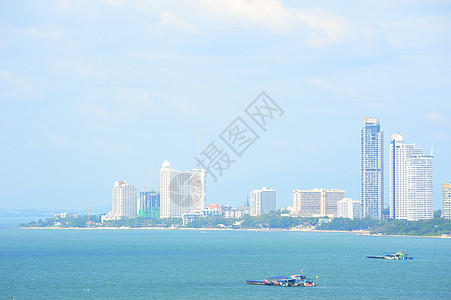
(196, 264)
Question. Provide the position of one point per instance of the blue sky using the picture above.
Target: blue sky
(97, 91)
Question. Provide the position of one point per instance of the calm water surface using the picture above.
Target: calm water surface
(182, 264)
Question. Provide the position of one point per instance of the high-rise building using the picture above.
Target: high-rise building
(316, 202)
(372, 169)
(446, 200)
(307, 203)
(124, 202)
(149, 205)
(411, 181)
(348, 208)
(181, 192)
(263, 201)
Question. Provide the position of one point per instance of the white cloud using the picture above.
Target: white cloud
(318, 27)
(270, 14)
(16, 85)
(323, 27)
(14, 81)
(156, 102)
(435, 117)
(326, 27)
(33, 32)
(168, 18)
(84, 69)
(417, 31)
(46, 33)
(99, 112)
(342, 90)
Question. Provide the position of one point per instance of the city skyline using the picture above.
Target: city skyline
(78, 91)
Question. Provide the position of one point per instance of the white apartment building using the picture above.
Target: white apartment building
(316, 202)
(446, 200)
(181, 192)
(411, 181)
(420, 188)
(125, 200)
(262, 201)
(348, 208)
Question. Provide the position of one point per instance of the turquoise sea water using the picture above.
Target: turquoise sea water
(182, 264)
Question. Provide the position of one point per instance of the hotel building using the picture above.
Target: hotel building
(263, 201)
(316, 202)
(348, 208)
(411, 181)
(124, 202)
(181, 192)
(446, 198)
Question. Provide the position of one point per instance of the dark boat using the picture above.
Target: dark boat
(400, 255)
(293, 280)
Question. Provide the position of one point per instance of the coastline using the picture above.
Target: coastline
(357, 232)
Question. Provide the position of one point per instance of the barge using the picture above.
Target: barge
(400, 255)
(286, 281)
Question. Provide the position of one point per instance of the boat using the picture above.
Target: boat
(286, 281)
(400, 255)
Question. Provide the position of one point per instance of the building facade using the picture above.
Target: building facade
(446, 200)
(198, 214)
(124, 202)
(411, 181)
(420, 188)
(181, 192)
(316, 202)
(149, 205)
(263, 201)
(348, 208)
(372, 169)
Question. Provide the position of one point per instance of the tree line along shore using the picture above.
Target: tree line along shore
(273, 221)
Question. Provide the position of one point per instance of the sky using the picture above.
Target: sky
(92, 92)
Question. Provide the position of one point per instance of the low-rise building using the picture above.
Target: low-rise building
(237, 213)
(197, 214)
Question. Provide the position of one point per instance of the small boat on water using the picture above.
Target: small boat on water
(394, 256)
(293, 280)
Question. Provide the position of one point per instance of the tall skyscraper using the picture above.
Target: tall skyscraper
(411, 181)
(372, 169)
(446, 200)
(317, 202)
(124, 202)
(263, 201)
(181, 192)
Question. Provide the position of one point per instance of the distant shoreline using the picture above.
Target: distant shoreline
(357, 232)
